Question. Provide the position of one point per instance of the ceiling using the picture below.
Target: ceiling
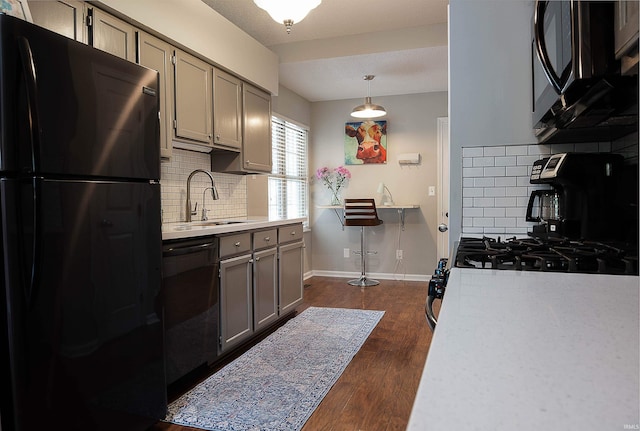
(403, 43)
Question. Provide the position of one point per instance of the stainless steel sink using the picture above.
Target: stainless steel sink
(217, 223)
(205, 224)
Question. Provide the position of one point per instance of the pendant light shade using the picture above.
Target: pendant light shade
(368, 109)
(287, 12)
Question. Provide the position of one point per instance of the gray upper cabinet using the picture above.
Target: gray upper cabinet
(227, 111)
(256, 125)
(255, 156)
(193, 104)
(156, 54)
(64, 17)
(112, 35)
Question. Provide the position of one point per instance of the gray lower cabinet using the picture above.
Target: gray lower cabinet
(265, 288)
(265, 278)
(63, 17)
(290, 267)
(236, 293)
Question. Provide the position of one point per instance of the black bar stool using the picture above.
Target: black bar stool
(361, 212)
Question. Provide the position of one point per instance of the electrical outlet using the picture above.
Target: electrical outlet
(346, 252)
(432, 190)
(398, 254)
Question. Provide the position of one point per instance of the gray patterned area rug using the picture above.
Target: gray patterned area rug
(278, 383)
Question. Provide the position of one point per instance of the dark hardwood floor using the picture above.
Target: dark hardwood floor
(376, 391)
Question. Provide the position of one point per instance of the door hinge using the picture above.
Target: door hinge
(89, 21)
(175, 124)
(173, 59)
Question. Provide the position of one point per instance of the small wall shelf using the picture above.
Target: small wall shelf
(399, 208)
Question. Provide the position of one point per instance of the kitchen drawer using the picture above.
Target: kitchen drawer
(290, 233)
(235, 244)
(265, 238)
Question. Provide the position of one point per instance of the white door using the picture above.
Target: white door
(443, 187)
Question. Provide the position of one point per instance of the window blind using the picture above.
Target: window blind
(288, 185)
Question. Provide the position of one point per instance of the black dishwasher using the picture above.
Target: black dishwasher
(190, 299)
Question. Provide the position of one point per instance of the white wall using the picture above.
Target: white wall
(489, 82)
(412, 127)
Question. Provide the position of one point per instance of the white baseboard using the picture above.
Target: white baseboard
(374, 275)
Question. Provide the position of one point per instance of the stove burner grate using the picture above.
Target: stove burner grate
(552, 254)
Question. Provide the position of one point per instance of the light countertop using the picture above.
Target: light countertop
(533, 351)
(181, 230)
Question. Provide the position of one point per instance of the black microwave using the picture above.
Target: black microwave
(579, 94)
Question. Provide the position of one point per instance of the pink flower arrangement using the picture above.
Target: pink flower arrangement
(340, 175)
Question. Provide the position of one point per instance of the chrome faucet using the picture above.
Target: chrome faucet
(214, 193)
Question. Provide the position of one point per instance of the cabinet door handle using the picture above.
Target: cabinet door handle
(257, 259)
(293, 233)
(267, 238)
(237, 244)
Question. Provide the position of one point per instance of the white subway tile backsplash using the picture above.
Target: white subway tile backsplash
(506, 181)
(505, 222)
(506, 202)
(495, 192)
(483, 222)
(496, 185)
(538, 150)
(493, 212)
(517, 191)
(526, 160)
(505, 161)
(472, 172)
(517, 171)
(232, 189)
(484, 202)
(484, 161)
(484, 182)
(496, 171)
(494, 151)
(472, 152)
(470, 192)
(473, 212)
(513, 212)
(516, 150)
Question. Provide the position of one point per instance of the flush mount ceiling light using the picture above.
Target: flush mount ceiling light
(368, 110)
(287, 12)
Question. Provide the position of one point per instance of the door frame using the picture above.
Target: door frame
(443, 185)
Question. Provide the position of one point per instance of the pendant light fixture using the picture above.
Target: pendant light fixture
(368, 110)
(288, 12)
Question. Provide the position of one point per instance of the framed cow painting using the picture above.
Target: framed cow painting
(365, 142)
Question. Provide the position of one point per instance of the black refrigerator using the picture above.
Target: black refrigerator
(81, 341)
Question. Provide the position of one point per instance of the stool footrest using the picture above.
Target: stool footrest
(363, 282)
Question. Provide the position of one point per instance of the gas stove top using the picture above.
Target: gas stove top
(548, 254)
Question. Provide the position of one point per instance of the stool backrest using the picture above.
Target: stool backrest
(360, 212)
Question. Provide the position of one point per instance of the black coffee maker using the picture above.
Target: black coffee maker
(587, 197)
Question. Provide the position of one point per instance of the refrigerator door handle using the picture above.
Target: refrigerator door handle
(29, 70)
(33, 269)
